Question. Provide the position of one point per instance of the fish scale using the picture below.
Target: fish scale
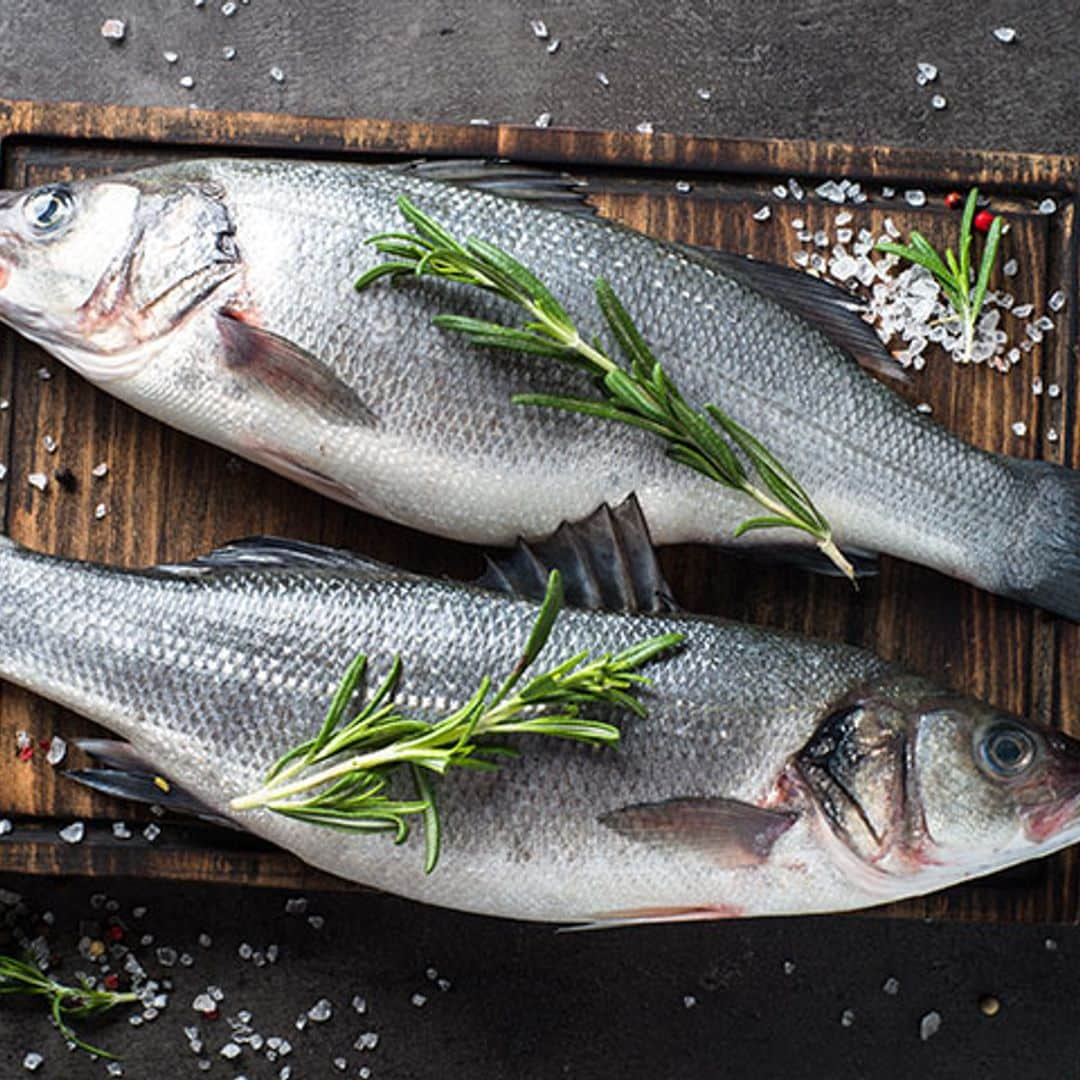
(213, 670)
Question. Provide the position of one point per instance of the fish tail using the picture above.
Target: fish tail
(1043, 565)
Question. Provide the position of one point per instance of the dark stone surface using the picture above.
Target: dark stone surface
(526, 1002)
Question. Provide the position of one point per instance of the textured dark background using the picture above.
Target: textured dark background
(526, 1002)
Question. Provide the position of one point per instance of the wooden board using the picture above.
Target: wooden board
(170, 497)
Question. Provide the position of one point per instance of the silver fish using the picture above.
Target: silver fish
(774, 775)
(217, 296)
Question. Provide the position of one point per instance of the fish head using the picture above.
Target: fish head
(96, 270)
(933, 787)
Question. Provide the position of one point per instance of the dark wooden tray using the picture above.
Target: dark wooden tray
(171, 497)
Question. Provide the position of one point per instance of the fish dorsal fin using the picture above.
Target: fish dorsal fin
(731, 833)
(606, 560)
(832, 310)
(539, 187)
(271, 552)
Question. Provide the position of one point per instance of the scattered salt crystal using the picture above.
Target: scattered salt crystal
(539, 28)
(296, 905)
(1053, 390)
(798, 223)
(187, 81)
(100, 511)
(321, 1011)
(364, 1073)
(1050, 944)
(763, 214)
(121, 831)
(704, 93)
(359, 1004)
(38, 480)
(480, 121)
(1010, 268)
(795, 188)
(340, 1064)
(245, 951)
(1037, 385)
(929, 1025)
(443, 984)
(602, 79)
(114, 1068)
(316, 922)
(843, 236)
(847, 1018)
(553, 46)
(925, 408)
(890, 227)
(114, 29)
(802, 258)
(1005, 34)
(915, 197)
(780, 191)
(166, 956)
(843, 268)
(891, 986)
(925, 73)
(367, 1040)
(645, 127)
(100, 470)
(228, 52)
(1051, 435)
(1013, 355)
(419, 1000)
(230, 1050)
(843, 218)
(228, 9)
(689, 1001)
(831, 190)
(57, 750)
(789, 967)
(5, 826)
(73, 833)
(683, 187)
(1056, 301)
(277, 74)
(888, 192)
(33, 1061)
(938, 101)
(1044, 323)
(205, 941)
(543, 120)
(204, 1003)
(1023, 311)
(152, 832)
(170, 56)
(821, 238)
(1019, 428)
(1047, 206)
(44, 374)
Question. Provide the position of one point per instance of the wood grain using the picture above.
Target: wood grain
(169, 497)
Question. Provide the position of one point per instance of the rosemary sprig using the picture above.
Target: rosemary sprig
(641, 393)
(340, 777)
(953, 272)
(76, 1002)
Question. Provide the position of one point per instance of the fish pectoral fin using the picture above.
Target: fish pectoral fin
(611, 920)
(606, 560)
(730, 832)
(539, 187)
(270, 364)
(832, 310)
(151, 788)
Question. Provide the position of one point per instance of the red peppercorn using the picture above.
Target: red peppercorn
(983, 220)
(954, 200)
(116, 933)
(27, 752)
(112, 981)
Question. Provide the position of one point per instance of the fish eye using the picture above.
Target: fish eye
(1007, 750)
(49, 207)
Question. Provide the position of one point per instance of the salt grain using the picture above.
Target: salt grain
(689, 1001)
(1010, 268)
(704, 93)
(296, 905)
(419, 1000)
(543, 120)
(100, 470)
(114, 29)
(321, 1011)
(228, 52)
(938, 101)
(796, 189)
(38, 480)
(1047, 206)
(5, 826)
(553, 46)
(683, 187)
(228, 9)
(230, 1051)
(100, 511)
(57, 750)
(602, 79)
(277, 74)
(152, 832)
(645, 127)
(888, 192)
(187, 82)
(33, 1061)
(170, 56)
(925, 73)
(847, 1018)
(763, 214)
(1005, 34)
(1056, 301)
(1053, 390)
(924, 407)
(73, 833)
(891, 986)
(929, 1025)
(359, 1004)
(480, 121)
(1023, 311)
(367, 1040)
(1051, 435)
(1037, 386)
(1019, 428)
(539, 28)
(915, 197)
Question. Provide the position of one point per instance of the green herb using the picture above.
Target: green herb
(641, 394)
(953, 272)
(25, 977)
(340, 777)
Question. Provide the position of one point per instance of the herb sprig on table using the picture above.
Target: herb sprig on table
(638, 392)
(65, 1002)
(340, 777)
(953, 271)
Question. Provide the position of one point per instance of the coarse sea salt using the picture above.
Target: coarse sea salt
(925, 72)
(938, 101)
(73, 833)
(1047, 206)
(929, 1025)
(915, 197)
(114, 30)
(763, 214)
(1005, 34)
(1056, 301)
